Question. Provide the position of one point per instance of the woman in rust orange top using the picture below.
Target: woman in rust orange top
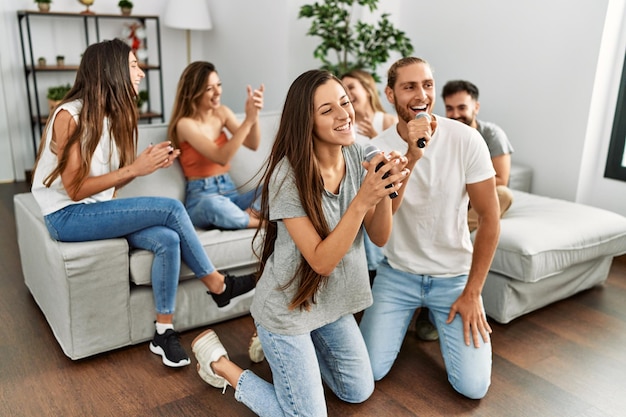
(198, 127)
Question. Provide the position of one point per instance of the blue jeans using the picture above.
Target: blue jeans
(334, 353)
(397, 295)
(214, 202)
(158, 224)
(373, 253)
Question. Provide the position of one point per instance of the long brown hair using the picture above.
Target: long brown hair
(191, 86)
(104, 86)
(369, 84)
(294, 142)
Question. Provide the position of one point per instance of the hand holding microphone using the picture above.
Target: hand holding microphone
(370, 152)
(421, 142)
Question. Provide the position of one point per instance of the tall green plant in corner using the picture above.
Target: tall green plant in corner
(347, 45)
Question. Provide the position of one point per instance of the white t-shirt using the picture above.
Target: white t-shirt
(377, 123)
(105, 159)
(430, 234)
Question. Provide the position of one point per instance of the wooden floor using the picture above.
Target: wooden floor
(568, 359)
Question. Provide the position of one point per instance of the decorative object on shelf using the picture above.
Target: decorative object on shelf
(86, 3)
(43, 5)
(55, 95)
(41, 61)
(125, 6)
(101, 26)
(135, 35)
(357, 45)
(142, 101)
(189, 15)
(60, 60)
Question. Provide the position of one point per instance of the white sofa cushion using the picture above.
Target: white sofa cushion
(542, 236)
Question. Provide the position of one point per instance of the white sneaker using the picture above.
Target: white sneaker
(255, 350)
(208, 349)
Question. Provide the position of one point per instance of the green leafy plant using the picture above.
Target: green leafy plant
(348, 45)
(142, 97)
(57, 92)
(125, 4)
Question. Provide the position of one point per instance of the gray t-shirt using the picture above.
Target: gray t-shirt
(347, 289)
(497, 141)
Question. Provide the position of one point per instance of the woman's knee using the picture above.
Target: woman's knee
(359, 393)
(166, 240)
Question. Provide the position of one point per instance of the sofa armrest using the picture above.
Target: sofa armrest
(520, 177)
(82, 288)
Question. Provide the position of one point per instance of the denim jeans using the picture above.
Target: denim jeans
(334, 353)
(397, 294)
(158, 224)
(373, 253)
(214, 202)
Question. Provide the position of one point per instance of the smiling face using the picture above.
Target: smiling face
(136, 74)
(333, 115)
(413, 91)
(213, 92)
(462, 107)
(358, 94)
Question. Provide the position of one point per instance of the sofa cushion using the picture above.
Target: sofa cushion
(169, 182)
(541, 236)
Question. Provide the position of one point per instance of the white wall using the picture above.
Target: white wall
(535, 62)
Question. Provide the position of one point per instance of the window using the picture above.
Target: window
(616, 160)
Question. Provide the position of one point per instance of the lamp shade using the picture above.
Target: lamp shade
(187, 14)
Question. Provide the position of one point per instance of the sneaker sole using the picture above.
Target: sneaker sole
(157, 350)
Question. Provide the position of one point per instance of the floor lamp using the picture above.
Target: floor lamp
(189, 15)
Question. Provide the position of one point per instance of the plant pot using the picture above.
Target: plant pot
(41, 62)
(126, 11)
(60, 62)
(44, 7)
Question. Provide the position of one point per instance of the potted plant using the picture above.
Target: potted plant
(142, 101)
(60, 60)
(41, 61)
(43, 5)
(56, 94)
(348, 45)
(125, 6)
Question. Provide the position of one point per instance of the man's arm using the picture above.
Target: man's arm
(502, 165)
(469, 304)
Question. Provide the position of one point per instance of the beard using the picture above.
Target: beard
(465, 120)
(403, 113)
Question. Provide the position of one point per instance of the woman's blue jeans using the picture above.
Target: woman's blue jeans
(384, 324)
(158, 224)
(214, 202)
(334, 353)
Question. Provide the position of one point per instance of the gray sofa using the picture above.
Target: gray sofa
(96, 296)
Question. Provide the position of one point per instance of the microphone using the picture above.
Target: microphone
(370, 152)
(422, 142)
